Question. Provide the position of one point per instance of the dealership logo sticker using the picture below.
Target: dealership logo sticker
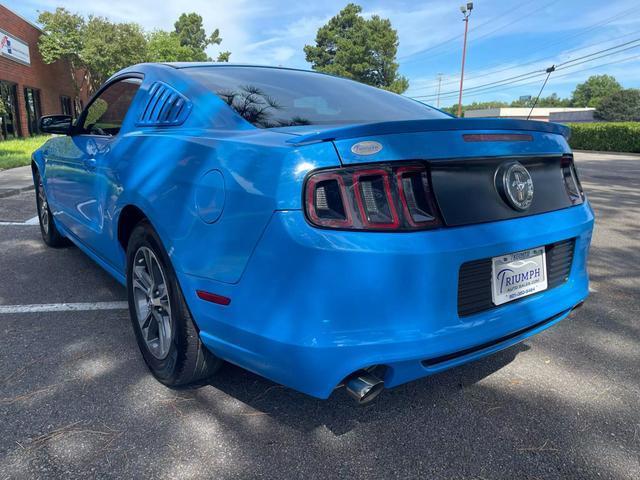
(366, 148)
(515, 184)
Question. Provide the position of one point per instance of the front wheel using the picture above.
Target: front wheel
(50, 234)
(164, 328)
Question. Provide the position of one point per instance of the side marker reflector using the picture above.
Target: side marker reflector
(213, 298)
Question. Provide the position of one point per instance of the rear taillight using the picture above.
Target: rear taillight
(381, 197)
(571, 181)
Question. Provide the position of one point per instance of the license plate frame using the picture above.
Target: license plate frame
(517, 275)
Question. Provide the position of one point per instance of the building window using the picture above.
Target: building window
(9, 120)
(34, 112)
(65, 103)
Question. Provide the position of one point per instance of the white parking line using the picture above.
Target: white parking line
(28, 223)
(63, 307)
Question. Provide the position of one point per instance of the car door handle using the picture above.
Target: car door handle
(89, 164)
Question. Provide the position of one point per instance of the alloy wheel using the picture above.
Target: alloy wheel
(151, 298)
(43, 207)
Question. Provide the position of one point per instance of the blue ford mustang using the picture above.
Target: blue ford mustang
(311, 229)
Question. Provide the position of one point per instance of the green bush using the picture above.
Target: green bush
(622, 106)
(606, 137)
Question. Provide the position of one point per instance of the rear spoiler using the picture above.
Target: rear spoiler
(434, 125)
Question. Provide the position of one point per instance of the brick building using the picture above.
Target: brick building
(29, 87)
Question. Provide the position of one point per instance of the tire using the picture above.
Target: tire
(50, 233)
(167, 336)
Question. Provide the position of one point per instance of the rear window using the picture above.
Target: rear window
(270, 97)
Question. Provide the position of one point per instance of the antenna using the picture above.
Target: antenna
(549, 71)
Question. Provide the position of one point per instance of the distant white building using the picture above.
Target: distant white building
(554, 114)
(574, 116)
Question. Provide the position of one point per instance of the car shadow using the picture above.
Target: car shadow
(292, 408)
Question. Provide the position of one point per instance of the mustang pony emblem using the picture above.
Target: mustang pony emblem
(514, 183)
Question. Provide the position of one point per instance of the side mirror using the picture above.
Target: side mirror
(59, 124)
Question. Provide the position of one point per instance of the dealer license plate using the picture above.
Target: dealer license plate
(517, 275)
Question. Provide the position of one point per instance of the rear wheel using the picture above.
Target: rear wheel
(50, 234)
(164, 328)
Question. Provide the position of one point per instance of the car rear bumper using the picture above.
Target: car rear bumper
(315, 305)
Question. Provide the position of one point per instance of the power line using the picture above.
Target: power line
(512, 22)
(634, 57)
(592, 27)
(600, 51)
(516, 20)
(587, 29)
(539, 60)
(455, 37)
(458, 36)
(490, 87)
(560, 66)
(494, 88)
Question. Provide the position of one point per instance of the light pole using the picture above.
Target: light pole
(466, 12)
(439, 84)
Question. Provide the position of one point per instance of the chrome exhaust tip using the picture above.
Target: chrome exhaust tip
(364, 387)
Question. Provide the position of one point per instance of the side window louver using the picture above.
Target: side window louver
(165, 107)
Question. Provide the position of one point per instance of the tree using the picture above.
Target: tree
(552, 100)
(354, 47)
(594, 90)
(165, 46)
(96, 48)
(63, 39)
(191, 34)
(453, 110)
(622, 106)
(223, 56)
(110, 47)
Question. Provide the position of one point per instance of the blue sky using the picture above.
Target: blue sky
(507, 38)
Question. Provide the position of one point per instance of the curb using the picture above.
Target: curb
(10, 192)
(620, 154)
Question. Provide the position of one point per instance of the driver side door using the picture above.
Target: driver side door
(74, 162)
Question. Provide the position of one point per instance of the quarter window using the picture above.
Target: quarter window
(105, 115)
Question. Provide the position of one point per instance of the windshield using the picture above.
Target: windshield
(271, 97)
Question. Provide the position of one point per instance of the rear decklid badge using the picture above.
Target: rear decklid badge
(515, 185)
(368, 147)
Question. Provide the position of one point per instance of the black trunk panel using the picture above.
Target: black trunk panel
(467, 194)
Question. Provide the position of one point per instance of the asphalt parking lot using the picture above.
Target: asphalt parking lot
(76, 400)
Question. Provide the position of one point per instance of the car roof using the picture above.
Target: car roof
(181, 65)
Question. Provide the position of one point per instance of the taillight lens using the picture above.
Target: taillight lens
(571, 181)
(381, 197)
(326, 200)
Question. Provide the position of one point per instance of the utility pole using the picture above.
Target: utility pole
(466, 12)
(439, 84)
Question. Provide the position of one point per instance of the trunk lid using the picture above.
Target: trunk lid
(436, 139)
